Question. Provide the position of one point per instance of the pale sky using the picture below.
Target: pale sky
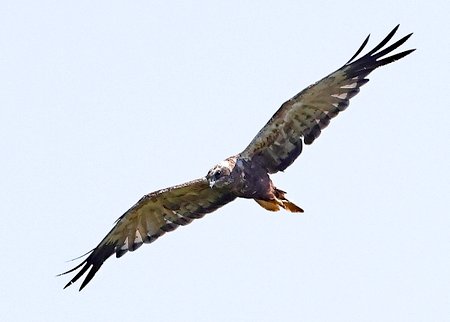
(102, 102)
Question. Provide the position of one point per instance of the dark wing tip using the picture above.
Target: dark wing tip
(395, 57)
(94, 261)
(376, 57)
(363, 45)
(377, 47)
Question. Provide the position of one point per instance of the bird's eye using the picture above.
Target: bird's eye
(217, 174)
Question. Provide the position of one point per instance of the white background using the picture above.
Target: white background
(104, 101)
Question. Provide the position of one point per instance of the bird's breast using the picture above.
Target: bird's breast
(250, 180)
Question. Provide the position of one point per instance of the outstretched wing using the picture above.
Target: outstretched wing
(151, 217)
(279, 142)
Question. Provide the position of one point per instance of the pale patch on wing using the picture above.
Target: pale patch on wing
(352, 85)
(342, 96)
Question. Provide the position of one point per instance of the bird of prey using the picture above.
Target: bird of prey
(298, 121)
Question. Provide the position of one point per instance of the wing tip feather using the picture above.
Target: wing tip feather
(370, 61)
(92, 263)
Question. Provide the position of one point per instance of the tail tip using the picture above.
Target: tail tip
(292, 207)
(276, 205)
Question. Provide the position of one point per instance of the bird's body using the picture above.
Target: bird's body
(298, 121)
(249, 179)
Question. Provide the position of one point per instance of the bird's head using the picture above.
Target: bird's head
(220, 175)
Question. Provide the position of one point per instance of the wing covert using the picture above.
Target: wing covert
(302, 118)
(151, 217)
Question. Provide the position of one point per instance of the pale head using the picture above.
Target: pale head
(220, 175)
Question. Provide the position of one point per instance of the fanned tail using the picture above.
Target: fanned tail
(279, 202)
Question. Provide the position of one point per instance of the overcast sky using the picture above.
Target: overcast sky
(102, 102)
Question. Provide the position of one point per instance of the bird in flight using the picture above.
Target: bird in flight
(298, 121)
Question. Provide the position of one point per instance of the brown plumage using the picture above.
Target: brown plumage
(298, 121)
